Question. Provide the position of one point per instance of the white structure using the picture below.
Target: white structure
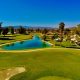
(74, 38)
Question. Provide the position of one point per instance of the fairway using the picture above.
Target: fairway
(57, 62)
(53, 78)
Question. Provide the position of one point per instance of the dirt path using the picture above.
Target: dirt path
(7, 74)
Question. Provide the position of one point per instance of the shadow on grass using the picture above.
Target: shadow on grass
(6, 38)
(37, 75)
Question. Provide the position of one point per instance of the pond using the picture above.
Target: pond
(36, 42)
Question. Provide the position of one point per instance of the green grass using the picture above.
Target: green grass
(58, 62)
(66, 43)
(17, 37)
(53, 78)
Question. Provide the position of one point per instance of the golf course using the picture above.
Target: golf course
(43, 64)
(39, 39)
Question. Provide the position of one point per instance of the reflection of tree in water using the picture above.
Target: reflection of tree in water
(21, 42)
(44, 44)
(37, 37)
(7, 45)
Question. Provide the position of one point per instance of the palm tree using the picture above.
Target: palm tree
(61, 29)
(78, 29)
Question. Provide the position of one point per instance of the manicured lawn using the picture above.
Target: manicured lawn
(58, 62)
(53, 78)
(17, 37)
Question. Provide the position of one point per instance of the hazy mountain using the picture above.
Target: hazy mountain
(18, 26)
(34, 27)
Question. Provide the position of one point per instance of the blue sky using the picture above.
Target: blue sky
(40, 12)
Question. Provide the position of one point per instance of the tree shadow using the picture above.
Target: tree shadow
(6, 38)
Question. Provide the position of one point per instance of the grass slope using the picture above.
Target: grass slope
(53, 78)
(54, 62)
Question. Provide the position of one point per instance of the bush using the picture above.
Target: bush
(75, 47)
(68, 44)
(57, 43)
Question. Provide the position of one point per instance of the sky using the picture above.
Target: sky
(40, 12)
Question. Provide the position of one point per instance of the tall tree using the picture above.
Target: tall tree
(61, 30)
(12, 30)
(5, 31)
(44, 37)
(22, 30)
(45, 31)
(0, 28)
(0, 24)
(67, 33)
(78, 29)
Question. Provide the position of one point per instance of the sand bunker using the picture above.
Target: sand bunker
(8, 73)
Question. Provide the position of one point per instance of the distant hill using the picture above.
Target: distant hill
(34, 27)
(18, 26)
(40, 27)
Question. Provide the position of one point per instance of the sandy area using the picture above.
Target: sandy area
(8, 73)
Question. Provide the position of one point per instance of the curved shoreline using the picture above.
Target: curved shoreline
(32, 50)
(12, 42)
(1, 49)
